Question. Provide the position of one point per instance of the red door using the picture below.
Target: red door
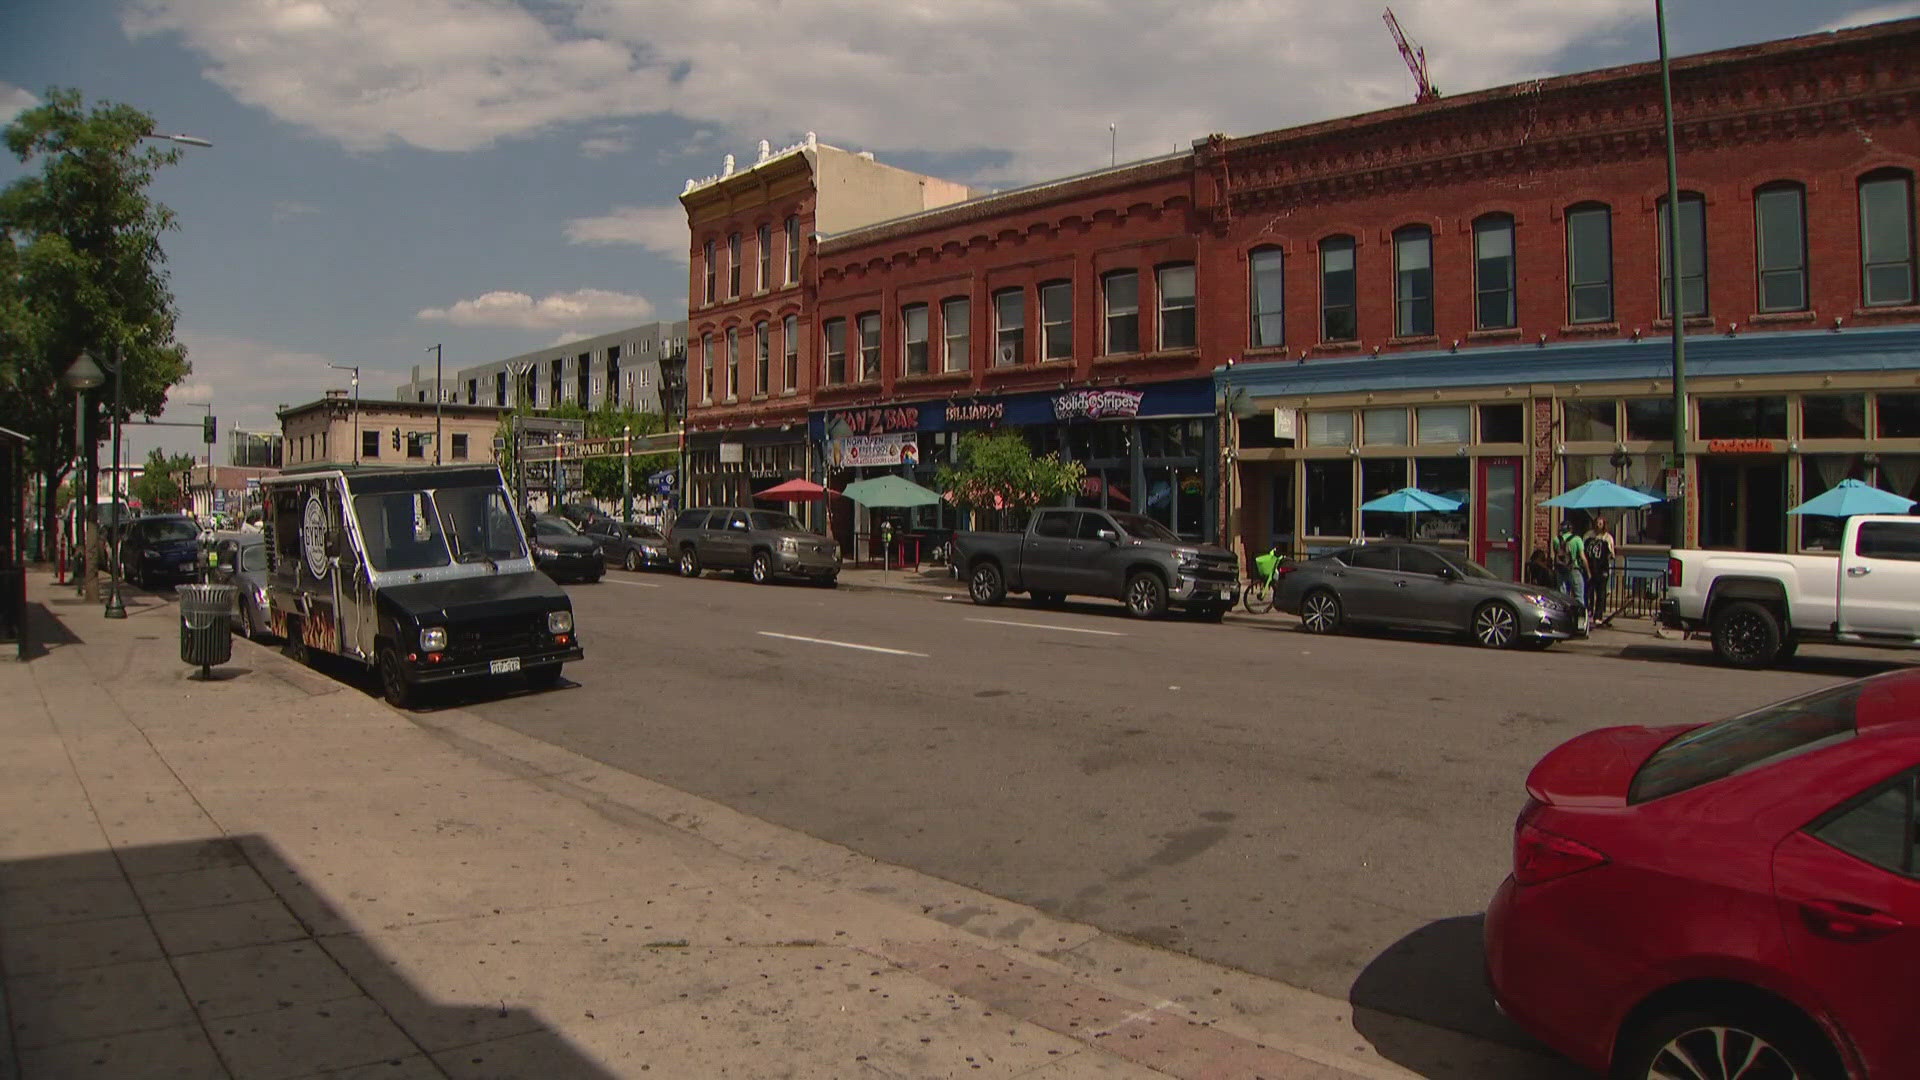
(1496, 517)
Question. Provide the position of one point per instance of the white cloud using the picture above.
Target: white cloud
(14, 101)
(1880, 14)
(566, 337)
(520, 311)
(1037, 80)
(660, 229)
(245, 379)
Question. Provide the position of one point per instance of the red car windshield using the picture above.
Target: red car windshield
(1749, 741)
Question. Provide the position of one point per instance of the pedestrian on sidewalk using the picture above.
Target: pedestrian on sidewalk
(1540, 570)
(1598, 544)
(1570, 561)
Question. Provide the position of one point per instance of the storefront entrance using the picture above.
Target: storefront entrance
(1743, 503)
(1496, 541)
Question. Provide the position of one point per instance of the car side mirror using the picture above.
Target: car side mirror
(1108, 535)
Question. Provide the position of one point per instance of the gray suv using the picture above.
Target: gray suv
(765, 544)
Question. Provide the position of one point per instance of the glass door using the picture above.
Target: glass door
(1496, 517)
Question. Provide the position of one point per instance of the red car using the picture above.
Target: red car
(1738, 899)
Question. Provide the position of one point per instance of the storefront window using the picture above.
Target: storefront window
(1382, 476)
(1330, 428)
(1177, 498)
(1900, 474)
(1743, 417)
(1818, 473)
(1899, 416)
(1384, 427)
(1645, 473)
(1450, 477)
(1591, 421)
(1330, 498)
(1650, 419)
(1502, 424)
(1444, 423)
(1833, 416)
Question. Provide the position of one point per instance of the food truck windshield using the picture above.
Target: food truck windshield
(417, 530)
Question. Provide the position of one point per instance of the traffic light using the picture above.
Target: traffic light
(206, 429)
(396, 438)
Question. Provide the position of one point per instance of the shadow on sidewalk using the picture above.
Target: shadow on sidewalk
(45, 632)
(216, 958)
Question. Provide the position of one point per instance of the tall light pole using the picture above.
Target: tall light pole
(84, 375)
(437, 395)
(626, 474)
(1678, 537)
(116, 607)
(355, 368)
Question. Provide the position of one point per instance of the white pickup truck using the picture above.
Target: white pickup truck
(1760, 607)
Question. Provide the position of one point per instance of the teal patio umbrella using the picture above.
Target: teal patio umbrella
(890, 492)
(1602, 495)
(1851, 497)
(1412, 502)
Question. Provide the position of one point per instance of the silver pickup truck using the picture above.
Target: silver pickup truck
(1123, 557)
(1760, 607)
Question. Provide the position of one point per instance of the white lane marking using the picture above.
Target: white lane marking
(843, 644)
(635, 584)
(1050, 626)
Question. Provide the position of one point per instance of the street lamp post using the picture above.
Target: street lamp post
(626, 474)
(355, 368)
(1678, 532)
(437, 395)
(116, 607)
(81, 376)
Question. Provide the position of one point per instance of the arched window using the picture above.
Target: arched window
(1494, 303)
(1266, 297)
(1590, 263)
(833, 335)
(762, 358)
(1693, 257)
(869, 323)
(1780, 246)
(1339, 320)
(1056, 320)
(1009, 327)
(1179, 326)
(913, 339)
(1120, 292)
(1886, 237)
(1413, 281)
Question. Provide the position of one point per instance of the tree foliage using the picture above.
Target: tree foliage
(82, 269)
(997, 470)
(602, 475)
(158, 486)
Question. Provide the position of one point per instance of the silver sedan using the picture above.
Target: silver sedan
(1414, 587)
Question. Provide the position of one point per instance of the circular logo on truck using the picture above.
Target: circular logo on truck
(313, 536)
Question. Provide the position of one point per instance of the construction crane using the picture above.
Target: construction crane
(1416, 58)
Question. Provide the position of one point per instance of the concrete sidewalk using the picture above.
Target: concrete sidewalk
(274, 875)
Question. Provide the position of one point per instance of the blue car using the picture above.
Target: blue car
(160, 551)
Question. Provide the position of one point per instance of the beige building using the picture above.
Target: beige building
(336, 430)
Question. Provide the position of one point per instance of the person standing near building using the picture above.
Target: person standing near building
(1570, 561)
(1598, 545)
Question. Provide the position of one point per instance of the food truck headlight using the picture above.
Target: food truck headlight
(433, 639)
(559, 622)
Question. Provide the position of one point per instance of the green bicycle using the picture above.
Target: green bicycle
(1258, 599)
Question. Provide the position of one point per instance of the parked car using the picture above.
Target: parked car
(1731, 899)
(161, 550)
(634, 547)
(1124, 557)
(240, 560)
(1760, 607)
(766, 544)
(580, 514)
(1416, 587)
(563, 552)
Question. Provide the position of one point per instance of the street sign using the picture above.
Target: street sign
(1676, 484)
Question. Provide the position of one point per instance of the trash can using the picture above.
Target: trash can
(205, 639)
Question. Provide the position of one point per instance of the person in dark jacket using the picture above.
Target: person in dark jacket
(1540, 570)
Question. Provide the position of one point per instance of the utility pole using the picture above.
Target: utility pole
(626, 474)
(1113, 145)
(355, 368)
(116, 607)
(438, 394)
(1678, 537)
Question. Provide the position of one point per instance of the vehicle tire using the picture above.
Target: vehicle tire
(294, 647)
(633, 561)
(1146, 595)
(394, 686)
(1258, 599)
(1746, 635)
(545, 677)
(1495, 625)
(986, 585)
(762, 568)
(1719, 1041)
(1320, 612)
(1049, 599)
(689, 562)
(246, 620)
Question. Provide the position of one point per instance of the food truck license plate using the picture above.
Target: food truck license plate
(504, 667)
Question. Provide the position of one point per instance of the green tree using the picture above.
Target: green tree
(997, 471)
(82, 269)
(603, 473)
(158, 486)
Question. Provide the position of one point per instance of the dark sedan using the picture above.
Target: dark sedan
(160, 551)
(634, 547)
(1413, 587)
(563, 553)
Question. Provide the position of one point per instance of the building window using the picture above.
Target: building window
(733, 363)
(369, 444)
(1833, 416)
(870, 346)
(834, 331)
(1330, 428)
(1444, 423)
(790, 342)
(1266, 296)
(1056, 320)
(1413, 281)
(500, 387)
(793, 248)
(583, 368)
(1780, 239)
(765, 237)
(707, 262)
(1493, 274)
(1383, 427)
(1590, 420)
(613, 374)
(473, 391)
(1761, 416)
(913, 338)
(1329, 498)
(762, 358)
(1886, 238)
(1502, 424)
(1009, 327)
(1177, 328)
(706, 369)
(733, 266)
(416, 446)
(459, 446)
(1338, 319)
(1693, 258)
(557, 382)
(956, 328)
(1590, 264)
(1121, 288)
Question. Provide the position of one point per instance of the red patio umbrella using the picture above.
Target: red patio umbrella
(795, 491)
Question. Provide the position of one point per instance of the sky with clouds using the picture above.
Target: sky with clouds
(501, 175)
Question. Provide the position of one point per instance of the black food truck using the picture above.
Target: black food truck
(421, 574)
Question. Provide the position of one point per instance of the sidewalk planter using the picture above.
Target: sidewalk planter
(205, 639)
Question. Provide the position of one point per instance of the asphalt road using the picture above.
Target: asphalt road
(1330, 812)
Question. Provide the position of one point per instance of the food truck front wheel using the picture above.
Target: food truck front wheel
(394, 685)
